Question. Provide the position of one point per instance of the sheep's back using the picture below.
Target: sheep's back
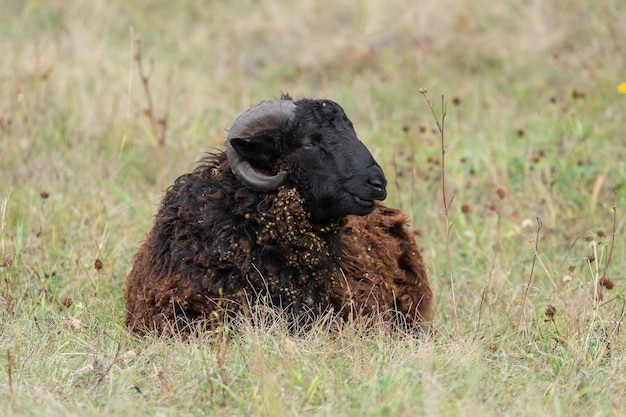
(217, 247)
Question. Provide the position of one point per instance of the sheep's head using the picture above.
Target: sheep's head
(311, 144)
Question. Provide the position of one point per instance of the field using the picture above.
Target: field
(104, 103)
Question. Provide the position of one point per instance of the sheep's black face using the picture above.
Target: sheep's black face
(331, 168)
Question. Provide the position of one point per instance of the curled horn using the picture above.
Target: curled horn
(254, 121)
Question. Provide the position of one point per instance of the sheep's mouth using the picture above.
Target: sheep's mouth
(368, 198)
(363, 202)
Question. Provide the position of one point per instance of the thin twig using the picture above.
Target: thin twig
(221, 345)
(530, 277)
(159, 135)
(446, 204)
(608, 260)
(158, 125)
(129, 90)
(482, 299)
(10, 371)
(115, 356)
(489, 279)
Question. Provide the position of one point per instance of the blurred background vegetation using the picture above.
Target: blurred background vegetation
(535, 128)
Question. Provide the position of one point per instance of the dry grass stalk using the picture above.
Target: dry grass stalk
(445, 202)
(158, 125)
(10, 371)
(530, 276)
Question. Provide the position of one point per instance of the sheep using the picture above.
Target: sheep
(289, 213)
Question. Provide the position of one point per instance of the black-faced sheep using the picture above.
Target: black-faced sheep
(288, 213)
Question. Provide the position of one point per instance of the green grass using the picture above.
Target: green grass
(532, 109)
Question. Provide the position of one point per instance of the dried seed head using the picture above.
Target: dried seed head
(607, 283)
(538, 156)
(550, 311)
(98, 264)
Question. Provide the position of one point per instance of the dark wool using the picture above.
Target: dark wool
(320, 241)
(216, 247)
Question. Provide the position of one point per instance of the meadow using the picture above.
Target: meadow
(104, 103)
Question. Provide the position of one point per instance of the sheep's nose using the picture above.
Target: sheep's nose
(378, 184)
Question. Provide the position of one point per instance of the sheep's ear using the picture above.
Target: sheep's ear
(260, 148)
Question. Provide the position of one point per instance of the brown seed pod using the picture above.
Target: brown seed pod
(607, 283)
(98, 264)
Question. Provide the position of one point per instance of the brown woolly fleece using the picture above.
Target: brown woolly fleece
(383, 269)
(216, 247)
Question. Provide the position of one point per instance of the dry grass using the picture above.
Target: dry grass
(534, 129)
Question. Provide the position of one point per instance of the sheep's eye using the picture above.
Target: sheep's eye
(310, 143)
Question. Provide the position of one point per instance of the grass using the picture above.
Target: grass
(534, 132)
